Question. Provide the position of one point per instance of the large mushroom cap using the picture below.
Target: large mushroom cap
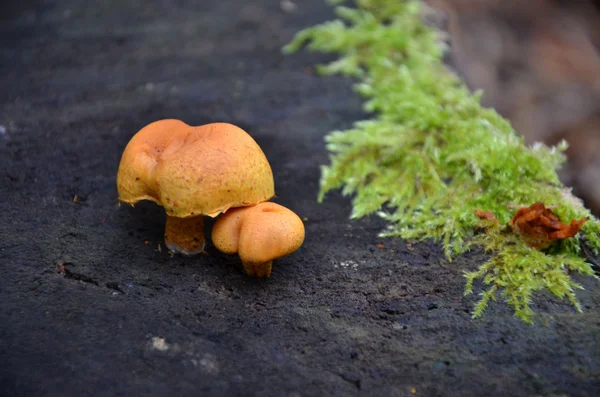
(258, 234)
(193, 171)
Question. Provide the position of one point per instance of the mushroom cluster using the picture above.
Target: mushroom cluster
(204, 171)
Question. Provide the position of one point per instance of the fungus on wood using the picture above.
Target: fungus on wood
(193, 172)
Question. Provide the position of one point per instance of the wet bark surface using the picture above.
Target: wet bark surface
(91, 302)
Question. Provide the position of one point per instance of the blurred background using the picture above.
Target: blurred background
(538, 63)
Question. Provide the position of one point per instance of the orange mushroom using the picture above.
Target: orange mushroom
(193, 172)
(258, 234)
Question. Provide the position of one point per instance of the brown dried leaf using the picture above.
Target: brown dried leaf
(539, 226)
(486, 215)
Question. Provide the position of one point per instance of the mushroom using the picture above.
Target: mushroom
(258, 234)
(193, 172)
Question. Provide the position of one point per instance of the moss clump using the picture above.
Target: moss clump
(431, 154)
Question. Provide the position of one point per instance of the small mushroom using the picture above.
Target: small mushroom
(258, 234)
(193, 172)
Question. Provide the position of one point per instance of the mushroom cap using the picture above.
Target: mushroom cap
(194, 171)
(258, 234)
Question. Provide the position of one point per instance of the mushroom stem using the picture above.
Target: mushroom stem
(258, 269)
(185, 235)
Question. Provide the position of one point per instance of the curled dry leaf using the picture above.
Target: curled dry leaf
(539, 226)
(488, 220)
(489, 215)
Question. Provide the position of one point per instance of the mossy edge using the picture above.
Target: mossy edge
(431, 155)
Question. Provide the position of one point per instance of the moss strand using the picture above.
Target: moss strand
(431, 155)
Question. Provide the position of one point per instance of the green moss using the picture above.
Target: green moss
(431, 154)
